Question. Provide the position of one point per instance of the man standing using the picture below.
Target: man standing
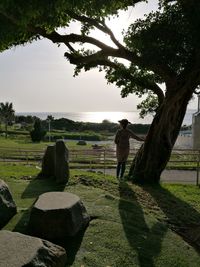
(122, 142)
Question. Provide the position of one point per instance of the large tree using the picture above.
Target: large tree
(160, 49)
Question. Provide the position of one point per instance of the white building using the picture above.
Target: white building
(196, 127)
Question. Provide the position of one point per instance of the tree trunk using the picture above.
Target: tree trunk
(154, 154)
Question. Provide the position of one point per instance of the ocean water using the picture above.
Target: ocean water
(132, 116)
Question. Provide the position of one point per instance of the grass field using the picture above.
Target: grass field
(26, 143)
(132, 225)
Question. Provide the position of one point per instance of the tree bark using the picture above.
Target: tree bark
(154, 154)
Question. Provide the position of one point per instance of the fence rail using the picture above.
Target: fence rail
(102, 158)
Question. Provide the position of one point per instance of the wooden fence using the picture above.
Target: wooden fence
(102, 158)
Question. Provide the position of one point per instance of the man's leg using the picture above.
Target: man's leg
(123, 167)
(118, 168)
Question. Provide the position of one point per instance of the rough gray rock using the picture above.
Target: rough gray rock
(18, 250)
(48, 168)
(57, 215)
(55, 163)
(7, 205)
(61, 162)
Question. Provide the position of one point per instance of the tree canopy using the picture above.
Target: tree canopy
(162, 45)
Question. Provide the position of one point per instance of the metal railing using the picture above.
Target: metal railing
(101, 158)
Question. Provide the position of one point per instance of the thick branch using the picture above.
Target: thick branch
(163, 70)
(100, 59)
(98, 24)
(73, 38)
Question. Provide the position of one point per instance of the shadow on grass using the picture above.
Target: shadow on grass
(37, 187)
(71, 245)
(181, 216)
(22, 223)
(144, 239)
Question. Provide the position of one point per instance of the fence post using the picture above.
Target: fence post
(104, 159)
(198, 160)
(26, 158)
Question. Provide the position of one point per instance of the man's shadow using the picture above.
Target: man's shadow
(181, 217)
(142, 238)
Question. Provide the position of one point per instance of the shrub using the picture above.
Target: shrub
(37, 134)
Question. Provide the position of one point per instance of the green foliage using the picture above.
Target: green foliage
(75, 136)
(148, 106)
(20, 17)
(37, 134)
(25, 119)
(7, 114)
(163, 36)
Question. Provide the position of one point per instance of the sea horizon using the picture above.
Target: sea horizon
(99, 116)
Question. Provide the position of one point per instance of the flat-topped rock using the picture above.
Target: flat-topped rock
(18, 250)
(7, 205)
(56, 215)
(56, 201)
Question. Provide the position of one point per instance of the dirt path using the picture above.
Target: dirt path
(170, 176)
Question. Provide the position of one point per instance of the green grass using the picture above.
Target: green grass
(26, 143)
(132, 225)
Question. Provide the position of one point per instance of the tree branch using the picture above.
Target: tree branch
(121, 52)
(100, 59)
(98, 24)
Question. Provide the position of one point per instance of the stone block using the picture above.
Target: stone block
(56, 215)
(55, 163)
(61, 162)
(48, 163)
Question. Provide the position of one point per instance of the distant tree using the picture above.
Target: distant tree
(7, 115)
(162, 48)
(105, 121)
(25, 119)
(38, 133)
(49, 118)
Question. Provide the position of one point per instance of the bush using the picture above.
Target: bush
(37, 134)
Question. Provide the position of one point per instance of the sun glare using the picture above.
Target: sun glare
(112, 116)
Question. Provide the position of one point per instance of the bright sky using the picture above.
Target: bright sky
(37, 77)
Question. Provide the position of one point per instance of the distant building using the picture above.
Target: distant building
(196, 127)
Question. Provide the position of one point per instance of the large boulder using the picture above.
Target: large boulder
(57, 215)
(18, 250)
(48, 163)
(55, 163)
(61, 162)
(7, 205)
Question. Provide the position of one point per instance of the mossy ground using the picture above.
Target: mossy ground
(131, 225)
